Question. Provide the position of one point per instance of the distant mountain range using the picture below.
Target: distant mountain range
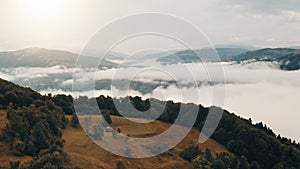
(202, 55)
(288, 58)
(39, 57)
(267, 54)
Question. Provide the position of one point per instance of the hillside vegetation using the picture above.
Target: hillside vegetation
(38, 134)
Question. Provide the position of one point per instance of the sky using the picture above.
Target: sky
(69, 24)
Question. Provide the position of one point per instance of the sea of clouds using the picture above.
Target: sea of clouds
(257, 90)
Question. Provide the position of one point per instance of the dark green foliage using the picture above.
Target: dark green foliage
(33, 128)
(190, 153)
(17, 95)
(140, 104)
(74, 121)
(254, 165)
(14, 165)
(244, 164)
(197, 164)
(221, 161)
(18, 147)
(208, 155)
(54, 157)
(218, 164)
(107, 118)
(120, 165)
(65, 102)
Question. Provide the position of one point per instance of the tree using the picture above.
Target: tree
(10, 97)
(190, 153)
(218, 164)
(127, 152)
(18, 147)
(98, 132)
(254, 165)
(32, 129)
(74, 121)
(244, 164)
(235, 162)
(208, 155)
(54, 157)
(65, 102)
(120, 165)
(14, 165)
(107, 118)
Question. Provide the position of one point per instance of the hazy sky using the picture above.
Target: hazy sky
(68, 24)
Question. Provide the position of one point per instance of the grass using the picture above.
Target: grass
(87, 154)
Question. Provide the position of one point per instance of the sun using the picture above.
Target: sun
(43, 10)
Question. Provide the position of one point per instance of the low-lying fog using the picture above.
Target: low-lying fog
(258, 90)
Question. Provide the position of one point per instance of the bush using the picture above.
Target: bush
(74, 121)
(120, 165)
(190, 152)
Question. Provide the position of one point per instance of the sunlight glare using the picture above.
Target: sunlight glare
(44, 10)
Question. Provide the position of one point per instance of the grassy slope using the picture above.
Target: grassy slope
(85, 153)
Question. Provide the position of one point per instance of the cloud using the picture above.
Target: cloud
(257, 89)
(35, 72)
(291, 15)
(273, 104)
(264, 6)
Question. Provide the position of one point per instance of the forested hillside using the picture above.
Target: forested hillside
(36, 126)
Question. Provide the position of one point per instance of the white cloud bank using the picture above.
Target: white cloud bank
(255, 90)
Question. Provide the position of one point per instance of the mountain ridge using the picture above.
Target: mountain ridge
(41, 57)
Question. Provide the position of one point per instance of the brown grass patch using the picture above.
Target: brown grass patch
(87, 154)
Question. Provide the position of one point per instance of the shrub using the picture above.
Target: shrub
(190, 153)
